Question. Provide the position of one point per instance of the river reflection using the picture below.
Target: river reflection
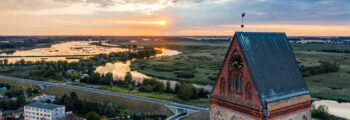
(335, 108)
(119, 69)
(61, 51)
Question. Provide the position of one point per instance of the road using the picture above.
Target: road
(177, 105)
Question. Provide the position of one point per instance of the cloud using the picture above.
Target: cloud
(44, 7)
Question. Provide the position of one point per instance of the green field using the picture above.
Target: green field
(334, 86)
(200, 59)
(205, 63)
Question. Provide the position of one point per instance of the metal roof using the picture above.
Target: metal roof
(272, 65)
(43, 105)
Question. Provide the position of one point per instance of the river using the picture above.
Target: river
(61, 51)
(335, 108)
(74, 50)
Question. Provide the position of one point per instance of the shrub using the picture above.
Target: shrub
(184, 75)
(213, 78)
(187, 92)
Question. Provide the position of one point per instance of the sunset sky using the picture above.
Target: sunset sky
(173, 17)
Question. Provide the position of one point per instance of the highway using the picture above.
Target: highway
(177, 105)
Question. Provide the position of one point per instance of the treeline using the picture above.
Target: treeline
(11, 46)
(98, 110)
(16, 92)
(24, 43)
(182, 90)
(324, 67)
(335, 50)
(82, 107)
(322, 47)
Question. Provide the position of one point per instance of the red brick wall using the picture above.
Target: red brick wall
(223, 77)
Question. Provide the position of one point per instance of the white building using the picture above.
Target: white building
(43, 98)
(39, 111)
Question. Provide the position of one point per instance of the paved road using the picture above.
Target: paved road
(177, 105)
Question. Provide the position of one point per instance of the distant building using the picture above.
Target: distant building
(11, 114)
(260, 80)
(44, 98)
(39, 110)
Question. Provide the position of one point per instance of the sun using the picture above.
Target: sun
(163, 22)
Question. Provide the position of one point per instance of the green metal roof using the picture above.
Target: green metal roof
(272, 65)
(43, 105)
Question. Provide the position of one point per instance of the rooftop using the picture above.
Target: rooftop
(272, 64)
(6, 112)
(43, 105)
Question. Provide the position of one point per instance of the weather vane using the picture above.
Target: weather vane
(242, 26)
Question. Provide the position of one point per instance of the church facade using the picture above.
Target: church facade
(260, 80)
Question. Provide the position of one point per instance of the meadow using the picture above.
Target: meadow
(203, 60)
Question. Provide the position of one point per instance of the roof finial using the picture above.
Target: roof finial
(242, 26)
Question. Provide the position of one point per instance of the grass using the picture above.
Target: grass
(332, 86)
(18, 83)
(202, 59)
(203, 102)
(131, 105)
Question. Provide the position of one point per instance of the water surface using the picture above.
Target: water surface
(335, 108)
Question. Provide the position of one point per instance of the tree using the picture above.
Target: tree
(6, 62)
(75, 75)
(177, 88)
(95, 77)
(111, 84)
(168, 87)
(1, 63)
(22, 62)
(59, 76)
(21, 100)
(203, 93)
(128, 78)
(187, 92)
(5, 102)
(93, 116)
(74, 96)
(109, 110)
(108, 78)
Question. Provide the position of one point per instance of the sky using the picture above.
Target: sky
(174, 17)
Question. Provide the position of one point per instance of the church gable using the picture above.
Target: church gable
(260, 79)
(234, 83)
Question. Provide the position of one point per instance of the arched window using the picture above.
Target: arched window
(222, 86)
(248, 91)
(239, 82)
(232, 83)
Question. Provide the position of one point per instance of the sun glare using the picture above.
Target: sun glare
(161, 22)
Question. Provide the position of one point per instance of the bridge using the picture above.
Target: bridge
(176, 108)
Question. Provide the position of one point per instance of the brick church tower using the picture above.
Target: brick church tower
(260, 80)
